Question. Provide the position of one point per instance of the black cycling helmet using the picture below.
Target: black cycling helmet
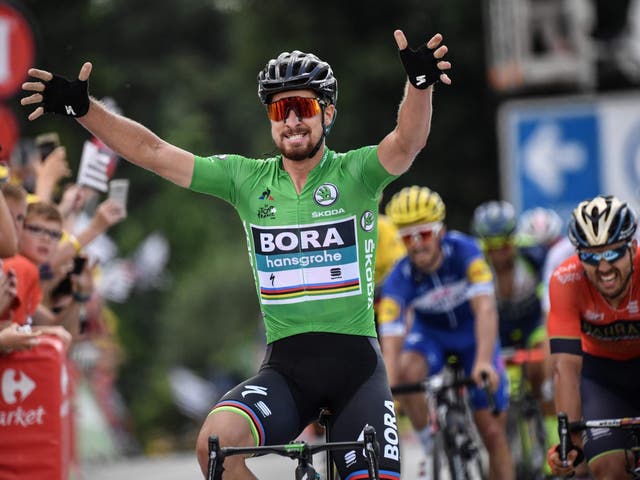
(297, 71)
(601, 221)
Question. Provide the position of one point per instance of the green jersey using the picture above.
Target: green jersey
(312, 253)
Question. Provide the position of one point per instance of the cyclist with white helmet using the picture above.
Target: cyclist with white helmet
(310, 218)
(594, 331)
(538, 229)
(447, 285)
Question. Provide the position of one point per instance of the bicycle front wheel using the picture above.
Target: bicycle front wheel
(453, 465)
(526, 434)
(439, 460)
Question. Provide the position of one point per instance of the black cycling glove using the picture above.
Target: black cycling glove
(421, 66)
(66, 98)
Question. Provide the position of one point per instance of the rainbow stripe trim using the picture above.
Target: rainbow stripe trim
(316, 289)
(364, 475)
(257, 429)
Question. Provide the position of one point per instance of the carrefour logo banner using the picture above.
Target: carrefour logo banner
(307, 262)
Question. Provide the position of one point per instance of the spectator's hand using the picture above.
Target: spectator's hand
(54, 167)
(82, 283)
(12, 339)
(57, 331)
(58, 268)
(74, 199)
(8, 291)
(424, 66)
(108, 214)
(56, 94)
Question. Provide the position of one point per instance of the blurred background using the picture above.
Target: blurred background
(544, 110)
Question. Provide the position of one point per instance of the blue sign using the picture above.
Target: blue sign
(551, 154)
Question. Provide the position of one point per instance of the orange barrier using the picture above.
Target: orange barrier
(35, 408)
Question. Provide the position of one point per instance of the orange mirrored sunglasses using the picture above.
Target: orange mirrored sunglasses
(303, 107)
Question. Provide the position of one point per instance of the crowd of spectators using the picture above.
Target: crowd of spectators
(51, 280)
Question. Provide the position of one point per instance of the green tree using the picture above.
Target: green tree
(187, 70)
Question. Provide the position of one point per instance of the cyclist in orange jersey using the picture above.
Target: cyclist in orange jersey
(594, 331)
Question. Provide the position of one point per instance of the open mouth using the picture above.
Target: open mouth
(295, 137)
(608, 280)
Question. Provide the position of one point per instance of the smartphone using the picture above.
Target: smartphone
(47, 143)
(119, 190)
(64, 287)
(78, 265)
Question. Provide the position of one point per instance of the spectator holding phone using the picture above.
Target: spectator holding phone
(38, 242)
(21, 268)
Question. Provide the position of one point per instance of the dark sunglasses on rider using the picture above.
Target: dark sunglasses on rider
(303, 107)
(593, 258)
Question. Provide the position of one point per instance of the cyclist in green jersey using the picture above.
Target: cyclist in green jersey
(310, 219)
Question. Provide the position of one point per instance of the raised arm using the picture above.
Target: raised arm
(424, 67)
(129, 139)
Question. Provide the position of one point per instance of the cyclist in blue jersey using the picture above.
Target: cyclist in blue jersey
(310, 218)
(447, 286)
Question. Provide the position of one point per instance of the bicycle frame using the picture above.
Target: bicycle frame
(525, 422)
(565, 428)
(447, 398)
(300, 451)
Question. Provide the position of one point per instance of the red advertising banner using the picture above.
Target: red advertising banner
(16, 50)
(35, 407)
(9, 133)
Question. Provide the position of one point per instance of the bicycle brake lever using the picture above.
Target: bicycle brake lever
(372, 447)
(490, 397)
(565, 440)
(215, 468)
(369, 441)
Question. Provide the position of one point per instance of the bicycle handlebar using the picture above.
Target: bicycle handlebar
(429, 386)
(300, 451)
(625, 422)
(565, 438)
(435, 386)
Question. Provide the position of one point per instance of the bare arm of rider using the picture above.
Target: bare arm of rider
(566, 387)
(138, 144)
(400, 147)
(129, 139)
(486, 318)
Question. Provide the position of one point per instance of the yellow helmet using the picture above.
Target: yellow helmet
(415, 204)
